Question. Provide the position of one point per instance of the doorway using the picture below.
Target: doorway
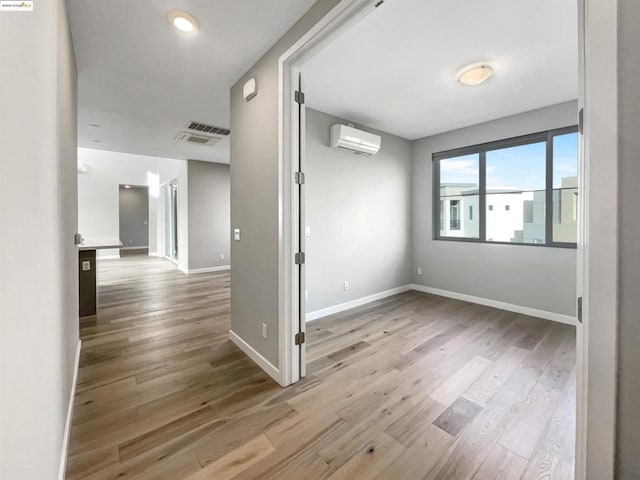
(293, 121)
(169, 193)
(134, 219)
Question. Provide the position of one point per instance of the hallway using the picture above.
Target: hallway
(413, 386)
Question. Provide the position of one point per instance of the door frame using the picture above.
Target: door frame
(596, 360)
(291, 217)
(164, 219)
(597, 266)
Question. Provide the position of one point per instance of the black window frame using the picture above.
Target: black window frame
(481, 150)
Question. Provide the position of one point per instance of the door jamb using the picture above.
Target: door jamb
(598, 244)
(339, 19)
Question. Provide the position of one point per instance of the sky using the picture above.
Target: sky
(519, 168)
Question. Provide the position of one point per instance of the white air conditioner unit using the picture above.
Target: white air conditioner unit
(354, 140)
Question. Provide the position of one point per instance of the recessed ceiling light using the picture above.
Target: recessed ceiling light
(97, 141)
(475, 74)
(182, 21)
(94, 125)
(127, 186)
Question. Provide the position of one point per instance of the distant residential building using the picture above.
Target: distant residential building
(512, 215)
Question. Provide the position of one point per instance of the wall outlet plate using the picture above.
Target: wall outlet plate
(86, 265)
(264, 331)
(346, 285)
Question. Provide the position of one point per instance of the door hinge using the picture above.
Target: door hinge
(581, 121)
(299, 178)
(299, 97)
(299, 258)
(580, 309)
(299, 339)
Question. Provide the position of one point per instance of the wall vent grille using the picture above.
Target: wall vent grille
(188, 137)
(204, 128)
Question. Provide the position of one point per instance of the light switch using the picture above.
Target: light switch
(264, 331)
(419, 271)
(86, 265)
(307, 231)
(236, 234)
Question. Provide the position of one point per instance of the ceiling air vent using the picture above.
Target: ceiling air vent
(204, 128)
(197, 139)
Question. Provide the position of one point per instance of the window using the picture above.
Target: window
(525, 190)
(458, 190)
(565, 188)
(454, 222)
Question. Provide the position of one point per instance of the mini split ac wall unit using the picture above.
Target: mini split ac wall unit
(354, 140)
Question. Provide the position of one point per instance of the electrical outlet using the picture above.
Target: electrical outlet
(307, 231)
(306, 294)
(236, 234)
(222, 256)
(346, 285)
(264, 331)
(419, 271)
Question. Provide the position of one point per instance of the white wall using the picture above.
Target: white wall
(536, 277)
(209, 215)
(38, 258)
(359, 212)
(98, 201)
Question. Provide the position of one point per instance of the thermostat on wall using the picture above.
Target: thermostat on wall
(250, 89)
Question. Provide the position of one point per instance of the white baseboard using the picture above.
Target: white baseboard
(135, 248)
(256, 357)
(192, 271)
(355, 303)
(533, 312)
(67, 426)
(155, 254)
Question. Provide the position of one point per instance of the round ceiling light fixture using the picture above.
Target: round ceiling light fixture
(182, 21)
(475, 74)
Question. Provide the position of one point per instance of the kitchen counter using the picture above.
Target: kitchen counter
(88, 286)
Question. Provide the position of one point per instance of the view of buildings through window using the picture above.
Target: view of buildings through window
(515, 186)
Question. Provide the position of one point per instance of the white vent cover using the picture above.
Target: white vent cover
(197, 138)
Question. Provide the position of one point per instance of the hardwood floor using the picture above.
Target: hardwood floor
(410, 387)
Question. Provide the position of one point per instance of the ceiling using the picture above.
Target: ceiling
(141, 82)
(396, 69)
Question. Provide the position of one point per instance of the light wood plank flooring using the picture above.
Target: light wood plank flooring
(410, 387)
